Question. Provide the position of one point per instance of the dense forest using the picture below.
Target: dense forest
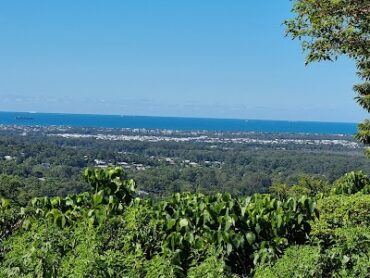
(38, 164)
(313, 229)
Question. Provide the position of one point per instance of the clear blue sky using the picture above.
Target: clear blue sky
(201, 58)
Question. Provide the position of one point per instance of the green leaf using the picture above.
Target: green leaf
(229, 248)
(251, 237)
(300, 219)
(183, 222)
(279, 220)
(171, 223)
(97, 199)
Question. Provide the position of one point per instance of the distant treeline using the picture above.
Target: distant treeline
(41, 165)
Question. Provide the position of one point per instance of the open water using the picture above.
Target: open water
(174, 123)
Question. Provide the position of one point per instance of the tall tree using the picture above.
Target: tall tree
(331, 28)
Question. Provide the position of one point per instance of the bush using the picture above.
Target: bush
(352, 183)
(34, 253)
(341, 211)
(213, 266)
(298, 261)
(109, 233)
(349, 256)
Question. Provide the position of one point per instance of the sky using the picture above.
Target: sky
(187, 58)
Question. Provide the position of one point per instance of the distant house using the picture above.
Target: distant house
(170, 161)
(100, 162)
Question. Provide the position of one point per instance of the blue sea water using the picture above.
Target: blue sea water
(174, 123)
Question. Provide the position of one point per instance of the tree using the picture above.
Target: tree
(332, 28)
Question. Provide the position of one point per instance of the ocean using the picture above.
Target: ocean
(174, 123)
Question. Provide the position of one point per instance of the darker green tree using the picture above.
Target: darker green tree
(332, 28)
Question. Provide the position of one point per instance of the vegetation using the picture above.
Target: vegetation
(290, 211)
(330, 28)
(106, 225)
(110, 232)
(42, 165)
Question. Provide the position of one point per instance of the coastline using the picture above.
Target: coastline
(175, 123)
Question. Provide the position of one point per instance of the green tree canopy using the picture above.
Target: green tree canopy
(331, 28)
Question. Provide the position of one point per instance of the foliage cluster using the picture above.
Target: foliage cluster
(110, 232)
(340, 237)
(331, 28)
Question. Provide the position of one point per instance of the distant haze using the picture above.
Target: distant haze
(223, 59)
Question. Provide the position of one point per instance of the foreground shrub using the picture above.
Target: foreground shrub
(34, 253)
(247, 230)
(110, 233)
(341, 211)
(352, 183)
(298, 261)
(349, 256)
(213, 266)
